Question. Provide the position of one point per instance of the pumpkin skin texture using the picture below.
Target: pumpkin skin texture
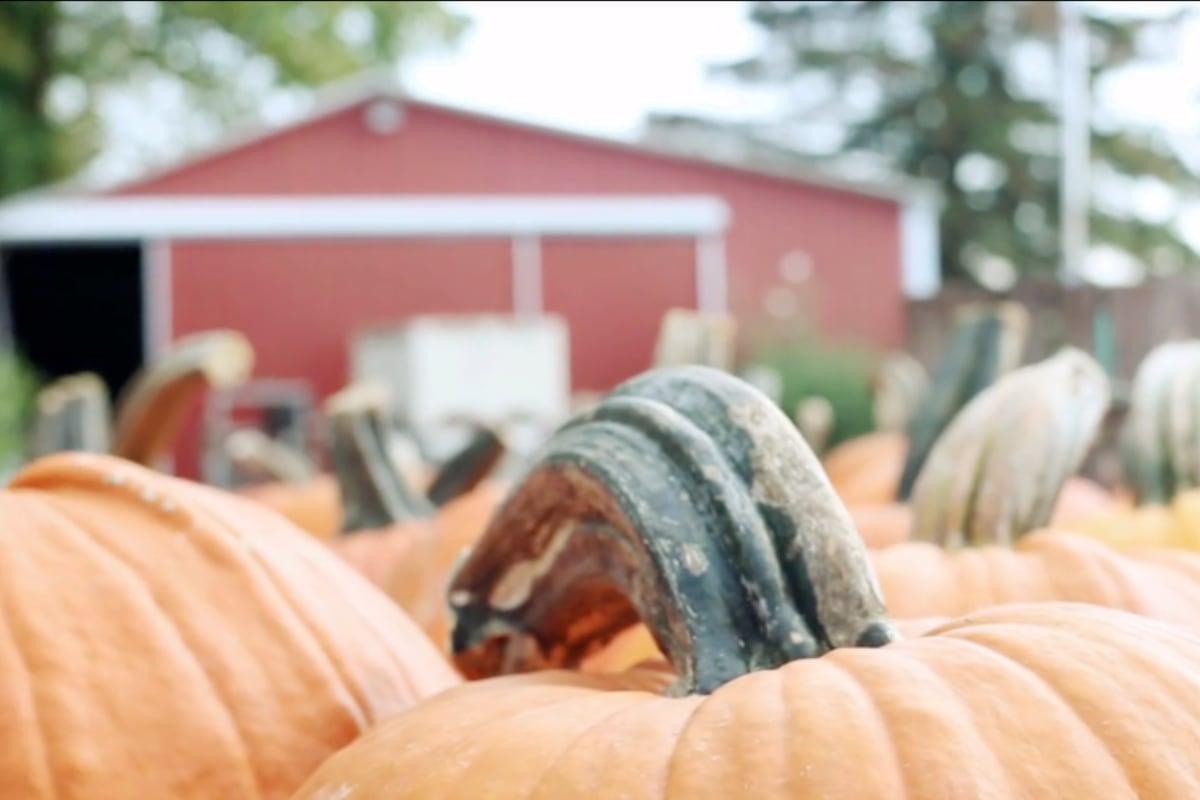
(866, 469)
(982, 484)
(1080, 504)
(919, 579)
(314, 506)
(783, 699)
(1061, 701)
(163, 639)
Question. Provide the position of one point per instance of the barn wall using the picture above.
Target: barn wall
(850, 241)
(613, 295)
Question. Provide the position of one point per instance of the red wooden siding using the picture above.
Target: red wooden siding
(613, 295)
(851, 239)
(300, 302)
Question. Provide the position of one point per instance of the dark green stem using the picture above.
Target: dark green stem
(687, 500)
(986, 344)
(374, 495)
(467, 468)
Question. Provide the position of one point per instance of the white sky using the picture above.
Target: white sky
(594, 66)
(601, 66)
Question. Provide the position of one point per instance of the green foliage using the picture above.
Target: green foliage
(58, 59)
(964, 94)
(811, 367)
(18, 387)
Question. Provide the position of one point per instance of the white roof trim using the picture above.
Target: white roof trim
(98, 219)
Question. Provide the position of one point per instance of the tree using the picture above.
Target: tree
(59, 59)
(964, 94)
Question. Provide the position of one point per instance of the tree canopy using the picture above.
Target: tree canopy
(965, 94)
(59, 60)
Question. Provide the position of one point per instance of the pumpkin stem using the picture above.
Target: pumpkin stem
(986, 343)
(815, 419)
(467, 468)
(901, 385)
(1161, 436)
(152, 407)
(995, 473)
(374, 494)
(72, 414)
(252, 449)
(687, 499)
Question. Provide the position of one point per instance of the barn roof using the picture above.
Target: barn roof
(341, 96)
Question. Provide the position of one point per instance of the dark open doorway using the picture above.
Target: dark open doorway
(76, 308)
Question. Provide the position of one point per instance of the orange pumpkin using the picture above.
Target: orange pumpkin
(314, 505)
(393, 535)
(866, 470)
(985, 493)
(165, 639)
(687, 500)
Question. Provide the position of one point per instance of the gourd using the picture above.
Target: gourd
(161, 638)
(983, 500)
(1161, 449)
(688, 501)
(73, 413)
(402, 541)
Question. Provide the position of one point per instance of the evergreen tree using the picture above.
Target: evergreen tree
(964, 94)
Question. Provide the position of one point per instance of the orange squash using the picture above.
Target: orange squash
(314, 505)
(165, 639)
(984, 498)
(394, 536)
(866, 470)
(670, 503)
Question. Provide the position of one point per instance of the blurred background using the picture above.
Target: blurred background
(498, 210)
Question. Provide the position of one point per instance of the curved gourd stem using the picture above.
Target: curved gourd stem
(686, 499)
(986, 344)
(151, 409)
(901, 385)
(374, 494)
(467, 468)
(252, 449)
(72, 413)
(995, 473)
(1161, 438)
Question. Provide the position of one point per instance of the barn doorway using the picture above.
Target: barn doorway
(77, 307)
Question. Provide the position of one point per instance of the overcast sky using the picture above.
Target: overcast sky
(601, 66)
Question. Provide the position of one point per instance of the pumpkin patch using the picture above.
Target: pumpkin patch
(788, 679)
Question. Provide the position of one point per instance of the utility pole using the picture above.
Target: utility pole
(1075, 140)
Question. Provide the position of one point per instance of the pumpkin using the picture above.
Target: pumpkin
(985, 496)
(166, 639)
(1161, 460)
(313, 505)
(866, 470)
(71, 414)
(873, 473)
(393, 535)
(688, 500)
(986, 343)
(152, 407)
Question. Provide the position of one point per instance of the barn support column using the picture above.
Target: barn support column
(527, 275)
(712, 284)
(156, 297)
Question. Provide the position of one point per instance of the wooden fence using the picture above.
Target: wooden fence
(1118, 326)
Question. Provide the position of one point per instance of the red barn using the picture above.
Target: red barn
(380, 206)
